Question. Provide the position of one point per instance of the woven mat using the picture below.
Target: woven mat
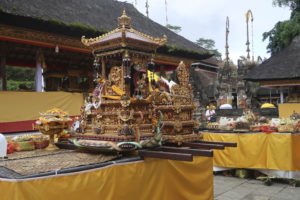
(37, 152)
(36, 165)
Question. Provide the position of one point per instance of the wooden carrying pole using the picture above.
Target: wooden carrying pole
(226, 144)
(204, 146)
(194, 152)
(166, 155)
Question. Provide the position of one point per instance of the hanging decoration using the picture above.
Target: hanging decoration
(96, 69)
(151, 67)
(126, 65)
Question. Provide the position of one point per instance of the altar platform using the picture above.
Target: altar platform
(275, 154)
(104, 176)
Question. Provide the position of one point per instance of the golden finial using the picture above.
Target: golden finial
(126, 54)
(124, 20)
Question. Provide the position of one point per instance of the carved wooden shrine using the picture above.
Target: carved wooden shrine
(129, 109)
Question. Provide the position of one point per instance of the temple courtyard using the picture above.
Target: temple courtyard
(233, 188)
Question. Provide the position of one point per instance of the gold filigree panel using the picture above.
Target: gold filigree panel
(183, 74)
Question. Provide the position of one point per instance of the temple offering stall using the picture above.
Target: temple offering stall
(265, 142)
(266, 133)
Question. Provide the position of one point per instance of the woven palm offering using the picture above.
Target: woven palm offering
(287, 125)
(52, 123)
(41, 142)
(255, 127)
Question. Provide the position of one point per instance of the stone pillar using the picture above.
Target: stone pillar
(39, 80)
(281, 95)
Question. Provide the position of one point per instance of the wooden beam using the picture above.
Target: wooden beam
(166, 155)
(226, 144)
(194, 152)
(103, 68)
(203, 146)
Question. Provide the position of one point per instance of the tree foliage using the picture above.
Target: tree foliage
(206, 43)
(20, 76)
(174, 28)
(293, 4)
(284, 32)
(209, 44)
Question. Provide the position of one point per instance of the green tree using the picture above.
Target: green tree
(209, 44)
(20, 76)
(293, 4)
(284, 32)
(175, 29)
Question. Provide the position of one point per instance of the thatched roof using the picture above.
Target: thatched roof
(101, 14)
(284, 65)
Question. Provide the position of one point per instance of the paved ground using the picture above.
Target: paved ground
(232, 188)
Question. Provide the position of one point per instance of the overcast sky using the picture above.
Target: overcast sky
(206, 19)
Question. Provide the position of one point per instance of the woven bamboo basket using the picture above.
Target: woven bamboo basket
(287, 128)
(255, 128)
(41, 143)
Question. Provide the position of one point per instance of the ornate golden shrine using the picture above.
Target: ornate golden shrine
(126, 100)
(177, 108)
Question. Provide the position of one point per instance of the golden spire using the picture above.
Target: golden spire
(226, 45)
(166, 14)
(147, 8)
(124, 20)
(247, 43)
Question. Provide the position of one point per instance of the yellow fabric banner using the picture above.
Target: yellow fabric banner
(277, 151)
(22, 106)
(150, 179)
(287, 109)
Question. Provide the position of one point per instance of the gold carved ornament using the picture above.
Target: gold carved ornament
(184, 115)
(183, 74)
(115, 76)
(125, 101)
(159, 98)
(125, 115)
(124, 25)
(179, 139)
(177, 125)
(177, 106)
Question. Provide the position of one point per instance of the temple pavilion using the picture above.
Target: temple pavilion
(282, 72)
